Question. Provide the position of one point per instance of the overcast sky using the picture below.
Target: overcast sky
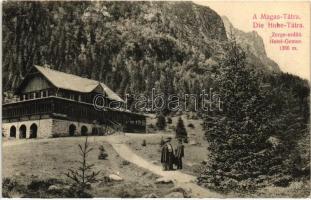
(241, 13)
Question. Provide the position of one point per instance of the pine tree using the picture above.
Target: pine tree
(240, 152)
(181, 131)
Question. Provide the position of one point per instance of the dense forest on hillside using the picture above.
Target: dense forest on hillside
(132, 46)
(176, 48)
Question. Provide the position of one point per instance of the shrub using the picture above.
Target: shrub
(125, 162)
(151, 128)
(144, 143)
(161, 123)
(169, 120)
(102, 153)
(38, 184)
(190, 125)
(9, 184)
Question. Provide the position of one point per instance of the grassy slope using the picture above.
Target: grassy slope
(194, 153)
(52, 158)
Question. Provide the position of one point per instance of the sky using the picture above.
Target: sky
(241, 16)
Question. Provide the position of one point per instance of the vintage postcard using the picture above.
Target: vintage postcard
(155, 99)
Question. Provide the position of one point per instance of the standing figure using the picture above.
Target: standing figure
(167, 155)
(179, 154)
(171, 156)
(164, 153)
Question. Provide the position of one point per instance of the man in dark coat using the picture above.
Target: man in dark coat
(164, 151)
(179, 154)
(167, 155)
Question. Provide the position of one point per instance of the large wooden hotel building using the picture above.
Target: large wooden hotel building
(51, 103)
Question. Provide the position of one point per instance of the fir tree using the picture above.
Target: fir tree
(181, 131)
(241, 154)
(161, 123)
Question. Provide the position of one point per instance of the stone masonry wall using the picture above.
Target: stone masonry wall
(47, 128)
(44, 127)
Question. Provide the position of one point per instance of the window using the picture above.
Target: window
(44, 93)
(37, 95)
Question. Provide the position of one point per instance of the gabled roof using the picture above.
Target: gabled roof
(75, 83)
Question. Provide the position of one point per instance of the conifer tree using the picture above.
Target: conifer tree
(181, 131)
(161, 123)
(240, 152)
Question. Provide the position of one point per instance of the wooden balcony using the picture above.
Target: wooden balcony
(61, 108)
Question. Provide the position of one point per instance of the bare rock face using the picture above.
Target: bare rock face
(253, 45)
(194, 21)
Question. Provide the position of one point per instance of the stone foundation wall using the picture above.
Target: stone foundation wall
(61, 127)
(44, 127)
(47, 128)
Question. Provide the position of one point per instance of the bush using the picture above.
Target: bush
(151, 128)
(9, 184)
(169, 120)
(125, 162)
(38, 184)
(161, 123)
(102, 153)
(144, 143)
(190, 125)
(282, 181)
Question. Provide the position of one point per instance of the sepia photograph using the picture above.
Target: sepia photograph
(155, 99)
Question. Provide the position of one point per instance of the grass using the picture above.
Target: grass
(196, 153)
(49, 159)
(42, 161)
(195, 150)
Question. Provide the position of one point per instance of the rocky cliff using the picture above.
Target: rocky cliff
(253, 45)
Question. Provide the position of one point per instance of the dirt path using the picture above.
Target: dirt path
(118, 143)
(180, 179)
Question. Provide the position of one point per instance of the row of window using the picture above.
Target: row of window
(137, 122)
(35, 95)
(64, 94)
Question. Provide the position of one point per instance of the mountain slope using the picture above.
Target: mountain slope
(253, 45)
(131, 46)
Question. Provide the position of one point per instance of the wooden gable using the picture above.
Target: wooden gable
(36, 83)
(33, 81)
